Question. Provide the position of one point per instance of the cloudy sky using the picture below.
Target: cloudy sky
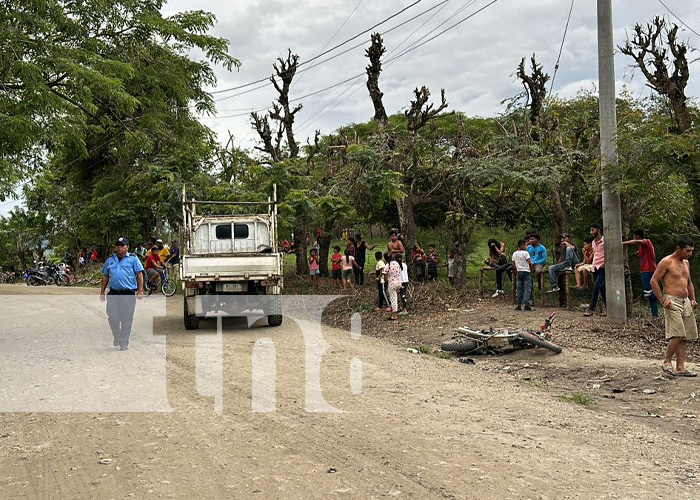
(474, 62)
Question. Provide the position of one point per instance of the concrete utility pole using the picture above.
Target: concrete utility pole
(612, 222)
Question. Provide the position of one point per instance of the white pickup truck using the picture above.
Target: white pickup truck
(230, 259)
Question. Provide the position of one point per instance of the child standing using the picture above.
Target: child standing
(584, 268)
(393, 276)
(382, 301)
(524, 267)
(451, 267)
(347, 263)
(314, 269)
(404, 284)
(336, 267)
(433, 259)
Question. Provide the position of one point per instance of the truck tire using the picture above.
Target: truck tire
(275, 319)
(191, 320)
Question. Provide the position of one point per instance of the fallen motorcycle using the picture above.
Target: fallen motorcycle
(469, 341)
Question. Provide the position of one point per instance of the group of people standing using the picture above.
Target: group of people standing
(667, 283)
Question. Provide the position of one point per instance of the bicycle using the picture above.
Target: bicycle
(493, 341)
(166, 285)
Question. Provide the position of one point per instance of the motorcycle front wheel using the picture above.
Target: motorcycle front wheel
(535, 340)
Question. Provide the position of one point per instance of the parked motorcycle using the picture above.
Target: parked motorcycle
(43, 275)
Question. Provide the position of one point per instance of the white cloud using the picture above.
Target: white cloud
(475, 62)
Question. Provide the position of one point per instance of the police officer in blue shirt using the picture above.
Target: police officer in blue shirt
(123, 273)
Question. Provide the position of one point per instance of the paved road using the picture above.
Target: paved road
(421, 427)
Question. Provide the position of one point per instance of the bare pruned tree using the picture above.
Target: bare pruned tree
(420, 112)
(375, 53)
(282, 113)
(285, 70)
(270, 145)
(535, 85)
(667, 75)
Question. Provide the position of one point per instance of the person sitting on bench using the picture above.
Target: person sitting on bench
(568, 258)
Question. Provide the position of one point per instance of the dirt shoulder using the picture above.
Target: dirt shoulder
(422, 427)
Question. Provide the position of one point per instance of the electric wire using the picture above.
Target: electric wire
(332, 104)
(679, 19)
(327, 51)
(398, 56)
(561, 47)
(301, 75)
(361, 44)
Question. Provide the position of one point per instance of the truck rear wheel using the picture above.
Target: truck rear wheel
(275, 319)
(191, 320)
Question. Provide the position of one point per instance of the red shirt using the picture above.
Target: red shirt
(335, 259)
(151, 262)
(647, 257)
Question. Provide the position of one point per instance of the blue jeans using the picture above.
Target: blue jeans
(568, 262)
(598, 288)
(653, 301)
(524, 285)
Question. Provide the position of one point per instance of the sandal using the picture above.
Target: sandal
(588, 313)
(686, 373)
(668, 369)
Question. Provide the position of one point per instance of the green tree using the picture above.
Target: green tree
(107, 90)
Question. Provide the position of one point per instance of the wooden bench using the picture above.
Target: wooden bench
(481, 281)
(564, 291)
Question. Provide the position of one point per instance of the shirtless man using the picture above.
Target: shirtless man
(678, 299)
(395, 247)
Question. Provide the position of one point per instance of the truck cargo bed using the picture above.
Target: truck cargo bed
(231, 266)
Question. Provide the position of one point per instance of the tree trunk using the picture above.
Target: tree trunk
(300, 250)
(325, 244)
(407, 221)
(461, 235)
(561, 216)
(680, 110)
(693, 178)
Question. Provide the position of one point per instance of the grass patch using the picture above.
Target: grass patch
(424, 349)
(580, 398)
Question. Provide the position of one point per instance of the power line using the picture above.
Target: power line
(679, 19)
(327, 51)
(398, 56)
(301, 75)
(267, 80)
(561, 47)
(419, 27)
(331, 105)
(411, 49)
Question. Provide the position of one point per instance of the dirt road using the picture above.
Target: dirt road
(421, 427)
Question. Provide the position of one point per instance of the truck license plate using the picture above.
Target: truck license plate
(232, 287)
